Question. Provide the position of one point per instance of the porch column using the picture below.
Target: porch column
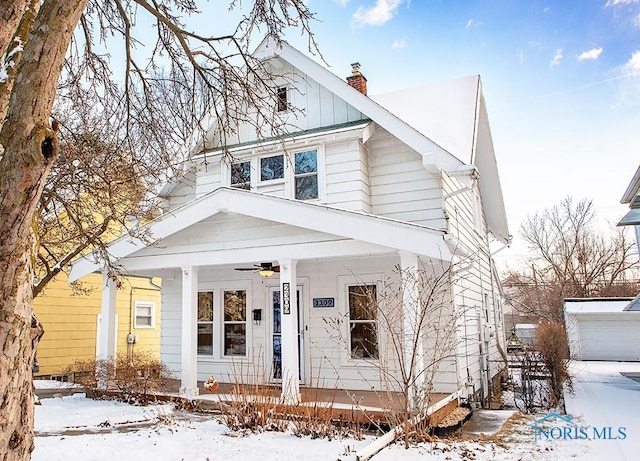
(106, 348)
(189, 348)
(289, 332)
(414, 326)
(107, 344)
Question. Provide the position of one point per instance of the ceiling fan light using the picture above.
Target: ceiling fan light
(266, 272)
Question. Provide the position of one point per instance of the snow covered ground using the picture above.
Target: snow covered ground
(76, 428)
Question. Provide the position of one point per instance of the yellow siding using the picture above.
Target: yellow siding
(70, 320)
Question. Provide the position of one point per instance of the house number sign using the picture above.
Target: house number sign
(286, 299)
(324, 302)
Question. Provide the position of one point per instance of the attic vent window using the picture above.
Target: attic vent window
(282, 99)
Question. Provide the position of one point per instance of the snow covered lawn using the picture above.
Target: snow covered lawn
(76, 428)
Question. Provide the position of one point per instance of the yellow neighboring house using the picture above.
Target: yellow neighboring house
(71, 321)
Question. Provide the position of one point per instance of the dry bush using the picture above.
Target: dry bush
(135, 377)
(551, 343)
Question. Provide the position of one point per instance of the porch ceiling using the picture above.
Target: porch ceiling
(351, 233)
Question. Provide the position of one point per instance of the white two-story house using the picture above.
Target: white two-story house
(299, 260)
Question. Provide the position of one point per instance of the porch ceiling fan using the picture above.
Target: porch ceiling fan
(264, 269)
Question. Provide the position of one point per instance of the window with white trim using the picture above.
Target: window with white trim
(272, 168)
(235, 322)
(144, 314)
(205, 323)
(282, 101)
(306, 175)
(362, 301)
(241, 175)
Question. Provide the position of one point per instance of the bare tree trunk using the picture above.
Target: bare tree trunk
(30, 147)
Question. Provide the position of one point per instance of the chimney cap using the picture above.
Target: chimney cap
(355, 68)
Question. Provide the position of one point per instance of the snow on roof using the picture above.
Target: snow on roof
(595, 305)
(445, 112)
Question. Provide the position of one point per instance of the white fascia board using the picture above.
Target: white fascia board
(367, 106)
(632, 189)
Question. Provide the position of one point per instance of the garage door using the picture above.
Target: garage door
(610, 339)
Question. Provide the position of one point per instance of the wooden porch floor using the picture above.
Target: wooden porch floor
(345, 405)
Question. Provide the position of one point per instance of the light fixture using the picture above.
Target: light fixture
(266, 272)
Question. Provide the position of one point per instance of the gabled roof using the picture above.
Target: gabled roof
(396, 235)
(415, 139)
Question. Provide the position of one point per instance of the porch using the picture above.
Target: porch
(346, 406)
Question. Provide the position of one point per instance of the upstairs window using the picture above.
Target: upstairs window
(272, 168)
(241, 175)
(306, 175)
(282, 103)
(363, 332)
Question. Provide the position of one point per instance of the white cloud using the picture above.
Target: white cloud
(398, 44)
(520, 55)
(611, 3)
(341, 2)
(378, 14)
(557, 58)
(546, 9)
(593, 53)
(472, 22)
(636, 21)
(632, 67)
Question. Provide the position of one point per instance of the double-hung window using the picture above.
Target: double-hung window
(235, 322)
(241, 175)
(306, 175)
(363, 314)
(205, 323)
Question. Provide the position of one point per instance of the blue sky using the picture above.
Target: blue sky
(561, 81)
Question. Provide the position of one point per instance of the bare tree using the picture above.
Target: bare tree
(58, 48)
(411, 333)
(570, 257)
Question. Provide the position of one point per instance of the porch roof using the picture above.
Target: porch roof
(393, 234)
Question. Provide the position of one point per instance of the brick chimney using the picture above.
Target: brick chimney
(356, 79)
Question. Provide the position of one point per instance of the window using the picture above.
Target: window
(205, 322)
(241, 175)
(235, 322)
(363, 306)
(306, 175)
(144, 314)
(283, 104)
(272, 168)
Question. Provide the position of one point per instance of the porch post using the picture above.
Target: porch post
(289, 331)
(413, 325)
(106, 349)
(107, 343)
(189, 349)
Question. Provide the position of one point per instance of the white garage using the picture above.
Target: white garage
(603, 328)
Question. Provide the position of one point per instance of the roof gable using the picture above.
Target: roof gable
(386, 232)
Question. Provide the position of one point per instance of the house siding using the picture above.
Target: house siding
(400, 186)
(70, 321)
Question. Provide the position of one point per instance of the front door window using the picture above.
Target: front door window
(277, 336)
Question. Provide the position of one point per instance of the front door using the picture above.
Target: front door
(276, 335)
